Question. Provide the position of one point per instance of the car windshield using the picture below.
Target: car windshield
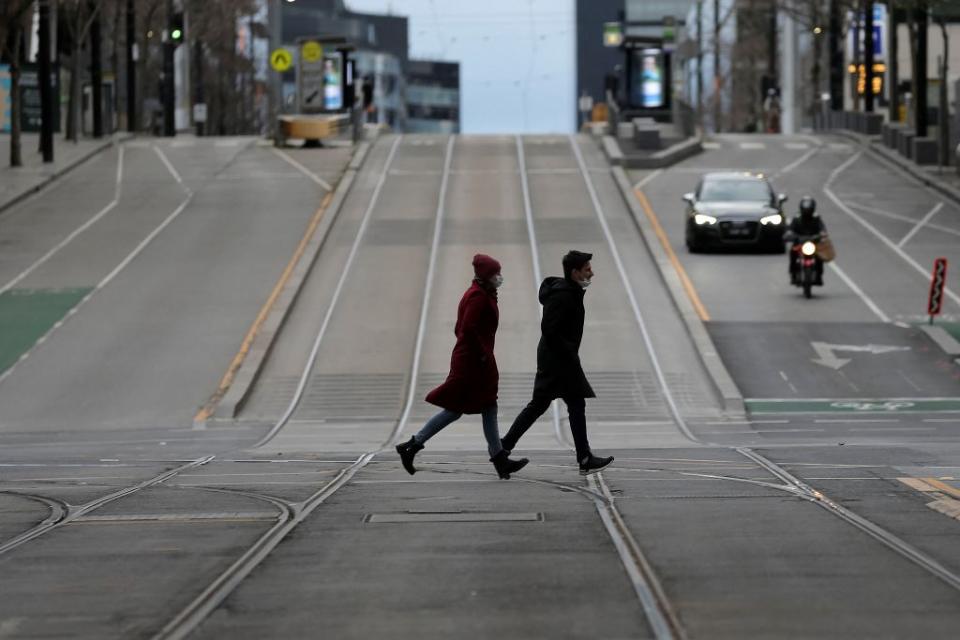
(734, 191)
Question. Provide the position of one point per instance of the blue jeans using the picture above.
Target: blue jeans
(438, 422)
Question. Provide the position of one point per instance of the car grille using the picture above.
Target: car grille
(739, 231)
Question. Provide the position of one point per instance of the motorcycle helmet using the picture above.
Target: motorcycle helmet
(808, 207)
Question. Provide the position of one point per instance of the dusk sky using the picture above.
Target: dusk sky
(516, 58)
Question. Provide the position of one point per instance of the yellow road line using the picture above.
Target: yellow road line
(943, 486)
(684, 278)
(238, 359)
(917, 484)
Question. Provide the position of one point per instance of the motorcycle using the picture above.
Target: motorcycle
(805, 259)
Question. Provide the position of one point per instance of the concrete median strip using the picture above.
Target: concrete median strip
(684, 297)
(237, 383)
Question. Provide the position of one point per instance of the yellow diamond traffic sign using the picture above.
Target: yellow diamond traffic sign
(312, 51)
(281, 60)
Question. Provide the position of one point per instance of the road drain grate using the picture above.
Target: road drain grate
(451, 516)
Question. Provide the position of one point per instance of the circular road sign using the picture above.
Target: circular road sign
(281, 60)
(312, 51)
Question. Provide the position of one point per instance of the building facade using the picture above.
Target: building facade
(433, 97)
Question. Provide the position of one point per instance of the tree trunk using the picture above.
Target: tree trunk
(944, 101)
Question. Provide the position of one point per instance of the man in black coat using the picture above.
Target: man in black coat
(559, 374)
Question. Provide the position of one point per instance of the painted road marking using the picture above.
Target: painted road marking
(753, 145)
(924, 273)
(712, 146)
(681, 272)
(828, 359)
(851, 405)
(920, 224)
(310, 174)
(207, 410)
(947, 504)
(26, 315)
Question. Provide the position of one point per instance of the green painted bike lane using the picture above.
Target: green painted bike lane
(26, 315)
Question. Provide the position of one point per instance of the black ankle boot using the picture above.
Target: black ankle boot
(407, 451)
(505, 466)
(591, 464)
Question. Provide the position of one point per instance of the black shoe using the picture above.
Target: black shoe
(818, 281)
(407, 451)
(505, 466)
(503, 445)
(591, 464)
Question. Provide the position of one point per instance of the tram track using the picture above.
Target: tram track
(661, 616)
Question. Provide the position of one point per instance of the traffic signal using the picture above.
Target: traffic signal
(176, 28)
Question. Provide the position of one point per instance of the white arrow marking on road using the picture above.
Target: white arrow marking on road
(829, 359)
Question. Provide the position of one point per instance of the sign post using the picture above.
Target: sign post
(937, 282)
(612, 34)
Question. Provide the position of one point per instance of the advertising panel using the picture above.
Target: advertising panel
(649, 79)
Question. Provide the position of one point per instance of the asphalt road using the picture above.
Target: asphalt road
(120, 519)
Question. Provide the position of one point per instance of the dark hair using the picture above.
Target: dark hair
(575, 260)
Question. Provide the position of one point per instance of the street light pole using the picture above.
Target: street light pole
(169, 123)
(868, 56)
(717, 98)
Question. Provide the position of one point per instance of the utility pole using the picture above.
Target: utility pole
(169, 123)
(96, 71)
(717, 98)
(131, 67)
(836, 58)
(868, 56)
(920, 72)
(43, 77)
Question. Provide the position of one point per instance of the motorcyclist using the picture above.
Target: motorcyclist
(802, 226)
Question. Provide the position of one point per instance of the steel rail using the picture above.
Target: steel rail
(195, 612)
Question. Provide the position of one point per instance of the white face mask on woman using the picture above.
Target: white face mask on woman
(497, 281)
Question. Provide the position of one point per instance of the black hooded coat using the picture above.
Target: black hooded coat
(559, 374)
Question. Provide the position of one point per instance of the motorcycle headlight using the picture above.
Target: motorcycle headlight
(808, 248)
(773, 219)
(702, 218)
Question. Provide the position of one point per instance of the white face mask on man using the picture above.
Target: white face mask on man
(497, 281)
(585, 282)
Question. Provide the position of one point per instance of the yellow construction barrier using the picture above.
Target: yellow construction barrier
(312, 127)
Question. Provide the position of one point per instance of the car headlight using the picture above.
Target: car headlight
(808, 248)
(702, 218)
(774, 219)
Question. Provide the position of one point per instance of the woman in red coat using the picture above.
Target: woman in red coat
(471, 386)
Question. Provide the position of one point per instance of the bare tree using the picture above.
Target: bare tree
(14, 21)
(78, 16)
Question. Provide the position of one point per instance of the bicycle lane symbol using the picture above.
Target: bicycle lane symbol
(889, 405)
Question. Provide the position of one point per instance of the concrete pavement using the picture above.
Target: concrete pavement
(748, 530)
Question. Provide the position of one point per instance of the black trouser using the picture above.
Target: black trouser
(576, 408)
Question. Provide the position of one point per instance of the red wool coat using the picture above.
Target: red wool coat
(472, 383)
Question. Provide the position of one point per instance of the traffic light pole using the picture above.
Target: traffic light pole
(169, 123)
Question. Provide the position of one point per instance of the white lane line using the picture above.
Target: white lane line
(428, 288)
(110, 276)
(344, 272)
(872, 229)
(855, 420)
(631, 296)
(900, 217)
(305, 171)
(710, 146)
(537, 274)
(70, 238)
(789, 384)
(950, 420)
(753, 145)
(857, 290)
(796, 163)
(920, 224)
(647, 179)
(893, 428)
(172, 169)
